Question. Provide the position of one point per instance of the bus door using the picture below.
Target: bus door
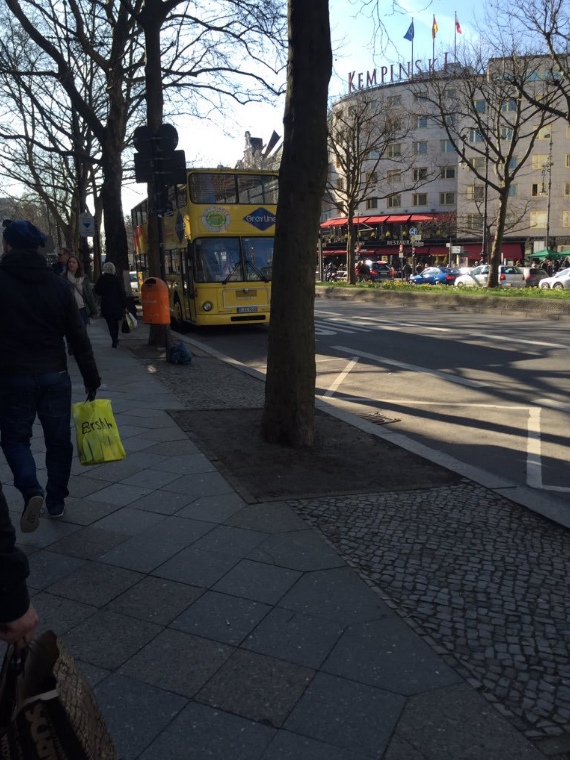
(189, 286)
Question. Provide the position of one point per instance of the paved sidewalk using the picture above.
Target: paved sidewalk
(212, 628)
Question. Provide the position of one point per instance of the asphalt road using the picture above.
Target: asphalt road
(489, 390)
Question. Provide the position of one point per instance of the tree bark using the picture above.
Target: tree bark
(495, 257)
(289, 412)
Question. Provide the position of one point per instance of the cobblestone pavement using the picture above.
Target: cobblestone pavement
(486, 582)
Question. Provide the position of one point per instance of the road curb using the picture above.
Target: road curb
(547, 506)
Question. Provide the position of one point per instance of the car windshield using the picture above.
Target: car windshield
(133, 276)
(562, 272)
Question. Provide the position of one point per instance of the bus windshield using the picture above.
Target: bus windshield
(221, 259)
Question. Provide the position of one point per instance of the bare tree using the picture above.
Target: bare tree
(371, 160)
(288, 416)
(492, 129)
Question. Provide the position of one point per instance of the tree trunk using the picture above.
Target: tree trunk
(495, 257)
(289, 413)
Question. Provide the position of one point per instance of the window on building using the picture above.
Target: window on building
(567, 189)
(538, 218)
(538, 189)
(475, 136)
(509, 105)
(373, 155)
(394, 100)
(544, 133)
(513, 162)
(568, 131)
(394, 150)
(474, 222)
(450, 119)
(476, 193)
(371, 203)
(340, 208)
(394, 201)
(447, 172)
(480, 106)
(421, 122)
(507, 133)
(566, 218)
(420, 95)
(478, 163)
(539, 160)
(446, 146)
(371, 178)
(419, 174)
(420, 148)
(449, 94)
(339, 183)
(393, 175)
(447, 199)
(419, 199)
(513, 191)
(567, 161)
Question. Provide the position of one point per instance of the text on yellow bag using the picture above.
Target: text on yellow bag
(98, 439)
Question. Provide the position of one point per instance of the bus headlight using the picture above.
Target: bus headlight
(207, 306)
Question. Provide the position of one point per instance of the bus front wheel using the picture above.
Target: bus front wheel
(178, 317)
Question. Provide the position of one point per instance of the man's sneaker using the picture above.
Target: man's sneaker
(56, 510)
(31, 515)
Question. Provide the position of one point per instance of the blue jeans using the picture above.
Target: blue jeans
(47, 395)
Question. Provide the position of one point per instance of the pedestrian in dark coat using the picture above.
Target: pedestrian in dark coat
(18, 619)
(113, 300)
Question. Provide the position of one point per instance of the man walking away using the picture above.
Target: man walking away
(37, 310)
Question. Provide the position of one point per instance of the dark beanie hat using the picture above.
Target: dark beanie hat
(23, 234)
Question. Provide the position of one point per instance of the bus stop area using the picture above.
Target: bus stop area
(216, 626)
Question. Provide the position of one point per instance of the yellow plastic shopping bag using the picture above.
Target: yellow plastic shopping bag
(98, 438)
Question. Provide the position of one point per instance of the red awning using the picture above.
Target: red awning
(422, 217)
(376, 219)
(334, 223)
(396, 219)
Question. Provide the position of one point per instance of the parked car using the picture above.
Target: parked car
(135, 286)
(509, 277)
(341, 275)
(533, 276)
(560, 280)
(380, 270)
(434, 276)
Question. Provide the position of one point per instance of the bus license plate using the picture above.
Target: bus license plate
(244, 309)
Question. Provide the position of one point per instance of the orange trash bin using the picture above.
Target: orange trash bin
(155, 302)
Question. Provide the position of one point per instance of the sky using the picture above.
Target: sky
(355, 49)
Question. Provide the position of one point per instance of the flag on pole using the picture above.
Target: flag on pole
(409, 35)
(457, 26)
(434, 28)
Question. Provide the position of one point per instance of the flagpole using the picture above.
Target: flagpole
(433, 43)
(455, 39)
(412, 67)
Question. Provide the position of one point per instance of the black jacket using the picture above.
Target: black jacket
(113, 299)
(37, 309)
(14, 569)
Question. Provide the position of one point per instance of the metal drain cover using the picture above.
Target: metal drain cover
(378, 419)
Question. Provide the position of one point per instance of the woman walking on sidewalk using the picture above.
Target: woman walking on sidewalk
(81, 289)
(113, 300)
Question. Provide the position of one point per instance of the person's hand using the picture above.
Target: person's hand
(90, 391)
(21, 631)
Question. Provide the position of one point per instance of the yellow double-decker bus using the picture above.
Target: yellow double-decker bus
(218, 245)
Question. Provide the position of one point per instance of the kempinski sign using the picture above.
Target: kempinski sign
(396, 72)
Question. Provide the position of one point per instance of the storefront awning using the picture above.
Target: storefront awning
(333, 223)
(553, 255)
(376, 219)
(398, 219)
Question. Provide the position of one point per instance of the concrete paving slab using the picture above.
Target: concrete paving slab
(348, 715)
(216, 509)
(257, 581)
(121, 495)
(140, 443)
(46, 568)
(84, 485)
(198, 568)
(175, 448)
(300, 639)
(338, 595)
(153, 422)
(135, 713)
(86, 511)
(162, 502)
(107, 639)
(257, 687)
(130, 521)
(201, 484)
(60, 615)
(201, 732)
(150, 478)
(304, 551)
(178, 531)
(400, 749)
(156, 600)
(289, 746)
(141, 553)
(88, 543)
(114, 471)
(164, 434)
(92, 673)
(96, 584)
(458, 723)
(234, 541)
(221, 617)
(274, 517)
(49, 532)
(186, 464)
(177, 662)
(389, 655)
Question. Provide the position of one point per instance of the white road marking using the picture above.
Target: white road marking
(342, 375)
(553, 404)
(412, 368)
